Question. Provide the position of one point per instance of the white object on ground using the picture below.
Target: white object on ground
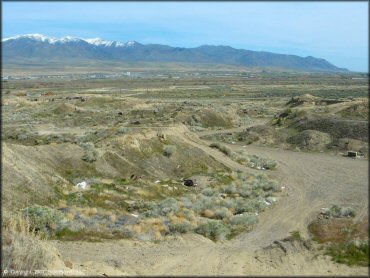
(82, 185)
(157, 181)
(135, 215)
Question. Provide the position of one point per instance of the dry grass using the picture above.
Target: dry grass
(346, 241)
(22, 249)
(338, 230)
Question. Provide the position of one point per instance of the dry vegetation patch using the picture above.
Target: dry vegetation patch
(23, 250)
(345, 239)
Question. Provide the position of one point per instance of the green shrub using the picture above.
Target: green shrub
(338, 211)
(243, 206)
(169, 150)
(222, 213)
(255, 161)
(213, 229)
(163, 208)
(245, 191)
(208, 192)
(43, 219)
(181, 228)
(271, 186)
(350, 253)
(203, 202)
(228, 203)
(244, 219)
(269, 164)
(90, 152)
(295, 235)
(230, 189)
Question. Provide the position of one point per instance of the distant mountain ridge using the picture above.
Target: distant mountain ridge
(41, 48)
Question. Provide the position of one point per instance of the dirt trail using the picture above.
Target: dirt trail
(235, 129)
(312, 180)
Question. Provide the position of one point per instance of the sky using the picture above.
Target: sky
(335, 31)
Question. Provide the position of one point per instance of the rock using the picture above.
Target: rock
(68, 264)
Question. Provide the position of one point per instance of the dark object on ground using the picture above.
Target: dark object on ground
(120, 113)
(189, 182)
(352, 154)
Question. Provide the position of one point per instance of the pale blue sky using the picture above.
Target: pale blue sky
(336, 31)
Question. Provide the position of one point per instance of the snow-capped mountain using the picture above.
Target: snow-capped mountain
(69, 39)
(35, 48)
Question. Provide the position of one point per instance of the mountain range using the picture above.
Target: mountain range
(40, 48)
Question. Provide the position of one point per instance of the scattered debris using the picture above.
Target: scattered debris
(82, 185)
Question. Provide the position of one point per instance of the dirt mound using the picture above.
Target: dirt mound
(358, 110)
(262, 134)
(303, 100)
(347, 144)
(143, 153)
(64, 108)
(30, 173)
(205, 118)
(310, 140)
(336, 127)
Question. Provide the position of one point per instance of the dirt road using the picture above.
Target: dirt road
(313, 181)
